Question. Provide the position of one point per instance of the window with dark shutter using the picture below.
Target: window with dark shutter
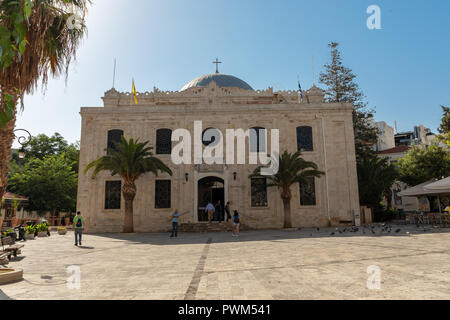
(162, 194)
(305, 139)
(113, 192)
(114, 136)
(259, 192)
(308, 193)
(164, 141)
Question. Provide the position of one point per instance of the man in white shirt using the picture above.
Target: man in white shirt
(210, 209)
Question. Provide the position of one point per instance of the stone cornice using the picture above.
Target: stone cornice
(211, 94)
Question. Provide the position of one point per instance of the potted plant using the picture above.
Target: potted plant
(12, 234)
(29, 232)
(42, 230)
(62, 231)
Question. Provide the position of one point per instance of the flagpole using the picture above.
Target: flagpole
(313, 74)
(114, 74)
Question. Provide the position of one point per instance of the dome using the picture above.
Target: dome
(222, 80)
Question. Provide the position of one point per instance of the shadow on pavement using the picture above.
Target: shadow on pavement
(163, 239)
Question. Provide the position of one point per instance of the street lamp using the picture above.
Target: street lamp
(22, 139)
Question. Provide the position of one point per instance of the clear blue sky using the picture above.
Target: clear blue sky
(403, 69)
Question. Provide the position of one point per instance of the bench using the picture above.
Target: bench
(4, 258)
(12, 249)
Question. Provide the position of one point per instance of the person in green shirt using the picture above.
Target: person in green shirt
(78, 226)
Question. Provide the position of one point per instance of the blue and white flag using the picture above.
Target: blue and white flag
(300, 92)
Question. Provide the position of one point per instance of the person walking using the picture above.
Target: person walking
(210, 210)
(227, 211)
(175, 221)
(236, 223)
(78, 226)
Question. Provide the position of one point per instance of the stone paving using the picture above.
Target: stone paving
(293, 265)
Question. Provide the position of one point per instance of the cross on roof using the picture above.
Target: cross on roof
(217, 62)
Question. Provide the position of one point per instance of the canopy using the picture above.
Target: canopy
(418, 191)
(442, 185)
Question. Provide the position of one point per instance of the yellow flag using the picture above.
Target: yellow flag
(134, 93)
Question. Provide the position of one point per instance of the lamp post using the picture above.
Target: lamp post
(22, 138)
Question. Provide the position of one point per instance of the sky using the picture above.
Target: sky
(402, 68)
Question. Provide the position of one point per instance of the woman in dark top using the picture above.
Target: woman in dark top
(236, 223)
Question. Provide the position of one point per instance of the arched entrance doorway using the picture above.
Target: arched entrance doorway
(210, 189)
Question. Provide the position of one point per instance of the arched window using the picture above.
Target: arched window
(114, 136)
(258, 139)
(164, 141)
(305, 140)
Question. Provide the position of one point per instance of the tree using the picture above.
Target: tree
(130, 160)
(49, 183)
(292, 169)
(376, 177)
(43, 146)
(444, 129)
(35, 41)
(424, 163)
(342, 88)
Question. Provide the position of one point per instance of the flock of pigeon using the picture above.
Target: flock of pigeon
(380, 229)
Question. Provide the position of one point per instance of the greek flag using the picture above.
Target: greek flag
(300, 92)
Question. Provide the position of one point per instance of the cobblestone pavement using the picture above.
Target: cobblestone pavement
(300, 264)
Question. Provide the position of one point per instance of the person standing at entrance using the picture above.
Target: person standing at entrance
(78, 225)
(210, 210)
(227, 211)
(236, 223)
(219, 212)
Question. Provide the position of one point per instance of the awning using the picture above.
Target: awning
(430, 188)
(442, 185)
(416, 191)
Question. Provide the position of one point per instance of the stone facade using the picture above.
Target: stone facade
(222, 108)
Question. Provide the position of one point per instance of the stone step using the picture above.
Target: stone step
(208, 227)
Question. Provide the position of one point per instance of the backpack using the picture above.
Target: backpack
(79, 223)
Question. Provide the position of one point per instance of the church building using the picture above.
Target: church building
(323, 132)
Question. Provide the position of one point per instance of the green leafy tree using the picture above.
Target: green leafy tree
(129, 160)
(375, 178)
(341, 87)
(424, 163)
(43, 146)
(35, 42)
(444, 129)
(293, 169)
(50, 184)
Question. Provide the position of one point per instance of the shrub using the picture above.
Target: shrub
(43, 227)
(30, 229)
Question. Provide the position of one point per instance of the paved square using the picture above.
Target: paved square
(258, 265)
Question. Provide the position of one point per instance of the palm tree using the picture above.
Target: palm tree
(130, 160)
(292, 169)
(36, 40)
